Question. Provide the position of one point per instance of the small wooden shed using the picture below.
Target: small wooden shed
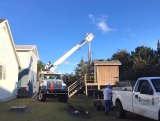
(105, 72)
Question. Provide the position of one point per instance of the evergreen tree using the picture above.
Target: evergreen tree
(40, 66)
(143, 56)
(124, 57)
(81, 69)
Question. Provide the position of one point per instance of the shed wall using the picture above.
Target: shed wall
(107, 74)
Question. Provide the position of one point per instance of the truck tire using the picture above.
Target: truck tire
(41, 97)
(120, 113)
(63, 98)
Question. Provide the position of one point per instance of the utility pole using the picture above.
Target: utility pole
(89, 57)
(158, 51)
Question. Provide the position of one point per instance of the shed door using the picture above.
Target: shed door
(107, 74)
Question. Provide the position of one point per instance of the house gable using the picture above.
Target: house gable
(27, 48)
(5, 26)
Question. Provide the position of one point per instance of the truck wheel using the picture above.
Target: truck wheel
(63, 98)
(120, 113)
(41, 97)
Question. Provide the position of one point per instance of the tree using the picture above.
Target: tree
(141, 62)
(81, 69)
(143, 56)
(144, 59)
(124, 57)
(40, 66)
(69, 78)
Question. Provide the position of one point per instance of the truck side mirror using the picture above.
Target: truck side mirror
(146, 90)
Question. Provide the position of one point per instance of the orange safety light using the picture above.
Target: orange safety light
(51, 88)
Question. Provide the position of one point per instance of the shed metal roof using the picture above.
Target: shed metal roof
(6, 24)
(112, 62)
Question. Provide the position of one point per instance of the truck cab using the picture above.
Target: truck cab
(146, 97)
(52, 85)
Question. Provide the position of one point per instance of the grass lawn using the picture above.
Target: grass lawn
(52, 110)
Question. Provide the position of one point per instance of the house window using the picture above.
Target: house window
(2, 72)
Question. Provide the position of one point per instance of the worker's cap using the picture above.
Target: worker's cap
(109, 85)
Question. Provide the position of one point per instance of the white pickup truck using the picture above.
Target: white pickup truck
(142, 99)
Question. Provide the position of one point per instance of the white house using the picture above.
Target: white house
(9, 63)
(28, 56)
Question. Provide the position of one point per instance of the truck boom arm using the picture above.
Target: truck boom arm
(88, 38)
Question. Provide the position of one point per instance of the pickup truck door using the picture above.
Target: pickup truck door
(143, 99)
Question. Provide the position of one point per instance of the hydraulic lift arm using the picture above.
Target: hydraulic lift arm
(88, 38)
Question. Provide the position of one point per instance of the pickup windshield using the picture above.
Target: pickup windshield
(156, 84)
(51, 76)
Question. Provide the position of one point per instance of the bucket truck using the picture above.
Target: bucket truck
(51, 83)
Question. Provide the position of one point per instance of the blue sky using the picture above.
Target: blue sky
(55, 26)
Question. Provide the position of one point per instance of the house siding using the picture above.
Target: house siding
(24, 60)
(28, 61)
(33, 72)
(8, 85)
